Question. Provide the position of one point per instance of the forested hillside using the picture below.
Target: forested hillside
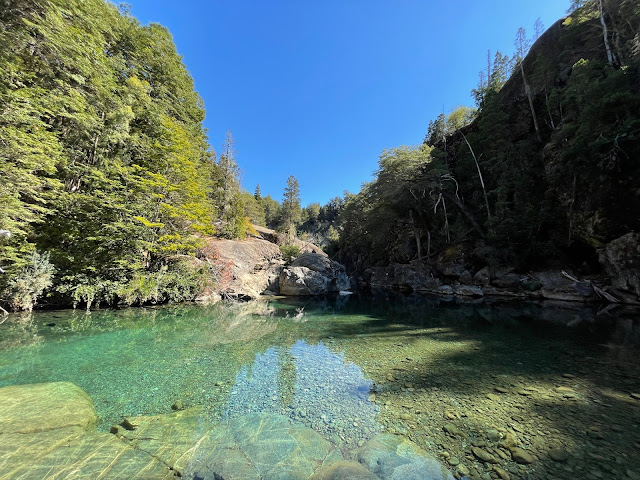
(108, 181)
(545, 172)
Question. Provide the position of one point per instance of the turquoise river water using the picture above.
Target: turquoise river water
(445, 375)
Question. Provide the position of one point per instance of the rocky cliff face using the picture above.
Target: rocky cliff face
(246, 269)
(559, 179)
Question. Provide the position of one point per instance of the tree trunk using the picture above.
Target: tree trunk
(446, 220)
(416, 234)
(465, 211)
(605, 34)
(530, 98)
(484, 191)
(546, 96)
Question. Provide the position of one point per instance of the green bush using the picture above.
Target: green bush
(289, 252)
(24, 289)
(179, 281)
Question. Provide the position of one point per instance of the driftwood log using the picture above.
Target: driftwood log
(600, 292)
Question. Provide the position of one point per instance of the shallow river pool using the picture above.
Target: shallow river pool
(465, 382)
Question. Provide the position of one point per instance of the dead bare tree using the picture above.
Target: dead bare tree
(522, 47)
(484, 190)
(605, 34)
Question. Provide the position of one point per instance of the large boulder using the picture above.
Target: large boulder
(557, 286)
(313, 274)
(392, 457)
(621, 261)
(302, 281)
(509, 280)
(322, 264)
(45, 406)
(244, 268)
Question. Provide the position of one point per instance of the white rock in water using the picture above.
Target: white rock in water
(344, 292)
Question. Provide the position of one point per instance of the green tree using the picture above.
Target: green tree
(459, 117)
(311, 213)
(226, 192)
(253, 209)
(272, 211)
(291, 212)
(436, 130)
(104, 159)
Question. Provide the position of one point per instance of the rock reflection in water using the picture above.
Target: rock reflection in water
(312, 385)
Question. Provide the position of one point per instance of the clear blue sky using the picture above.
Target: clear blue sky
(317, 89)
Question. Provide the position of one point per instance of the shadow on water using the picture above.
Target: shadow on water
(555, 376)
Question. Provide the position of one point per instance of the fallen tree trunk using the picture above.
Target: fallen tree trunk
(600, 292)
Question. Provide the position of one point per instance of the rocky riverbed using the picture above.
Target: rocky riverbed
(486, 390)
(496, 410)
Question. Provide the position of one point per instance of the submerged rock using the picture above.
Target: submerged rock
(484, 455)
(170, 438)
(558, 455)
(46, 431)
(258, 446)
(45, 406)
(452, 430)
(344, 471)
(521, 456)
(75, 454)
(392, 457)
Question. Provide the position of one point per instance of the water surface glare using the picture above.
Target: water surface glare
(444, 375)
